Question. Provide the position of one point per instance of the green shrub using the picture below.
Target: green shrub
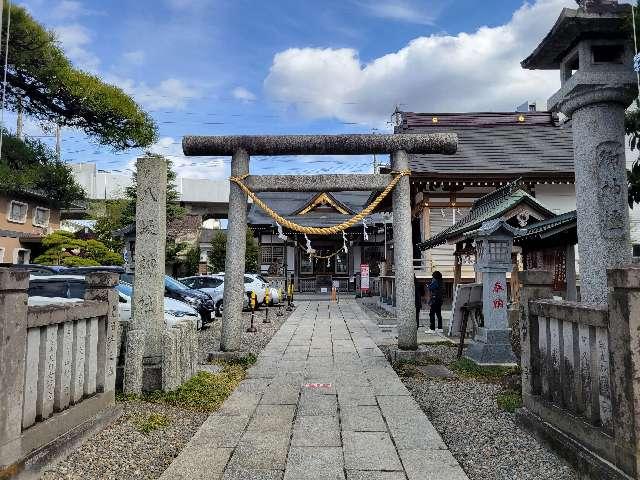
(469, 369)
(151, 422)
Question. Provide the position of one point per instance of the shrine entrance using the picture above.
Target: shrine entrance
(244, 185)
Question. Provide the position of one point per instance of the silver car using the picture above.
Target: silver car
(214, 286)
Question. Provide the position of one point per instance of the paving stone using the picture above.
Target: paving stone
(220, 431)
(431, 465)
(318, 463)
(415, 432)
(281, 395)
(191, 464)
(362, 419)
(240, 403)
(272, 418)
(253, 475)
(313, 403)
(316, 431)
(369, 451)
(253, 385)
(260, 451)
(368, 475)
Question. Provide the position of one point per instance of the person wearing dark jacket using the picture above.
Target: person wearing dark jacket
(419, 292)
(435, 300)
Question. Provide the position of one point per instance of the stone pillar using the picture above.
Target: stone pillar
(234, 262)
(13, 341)
(534, 285)
(403, 256)
(143, 361)
(601, 186)
(624, 365)
(101, 288)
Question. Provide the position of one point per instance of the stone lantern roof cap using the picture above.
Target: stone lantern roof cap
(594, 19)
(494, 227)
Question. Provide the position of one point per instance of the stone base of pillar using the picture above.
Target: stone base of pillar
(202, 268)
(492, 347)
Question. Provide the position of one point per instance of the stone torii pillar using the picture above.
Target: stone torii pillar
(241, 147)
(591, 49)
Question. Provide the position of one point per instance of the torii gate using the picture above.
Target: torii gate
(240, 148)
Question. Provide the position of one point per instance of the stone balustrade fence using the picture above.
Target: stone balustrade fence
(581, 373)
(57, 363)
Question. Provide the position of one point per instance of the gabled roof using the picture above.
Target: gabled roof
(503, 146)
(324, 199)
(490, 207)
(549, 228)
(288, 204)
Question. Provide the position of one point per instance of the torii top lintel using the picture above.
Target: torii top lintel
(360, 144)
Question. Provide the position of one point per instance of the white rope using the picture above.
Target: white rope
(636, 58)
(4, 81)
(281, 234)
(364, 229)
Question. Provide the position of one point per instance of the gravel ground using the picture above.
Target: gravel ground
(121, 452)
(483, 438)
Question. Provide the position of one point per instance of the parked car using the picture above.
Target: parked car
(214, 286)
(199, 300)
(34, 269)
(58, 286)
(86, 270)
(174, 310)
(256, 283)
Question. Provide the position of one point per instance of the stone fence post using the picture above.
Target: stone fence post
(13, 333)
(534, 285)
(624, 361)
(101, 287)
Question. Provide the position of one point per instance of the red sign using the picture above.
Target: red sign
(364, 277)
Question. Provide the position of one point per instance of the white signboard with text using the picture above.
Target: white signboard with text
(364, 277)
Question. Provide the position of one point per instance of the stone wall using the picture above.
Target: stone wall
(57, 364)
(581, 373)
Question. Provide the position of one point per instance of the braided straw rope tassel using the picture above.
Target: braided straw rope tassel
(316, 230)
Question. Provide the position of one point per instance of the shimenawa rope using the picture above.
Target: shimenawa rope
(317, 230)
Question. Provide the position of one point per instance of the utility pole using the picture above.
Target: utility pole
(58, 135)
(19, 121)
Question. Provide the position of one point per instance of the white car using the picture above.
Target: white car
(255, 283)
(214, 286)
(174, 310)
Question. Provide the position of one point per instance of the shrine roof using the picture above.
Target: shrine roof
(549, 228)
(490, 207)
(291, 204)
(500, 145)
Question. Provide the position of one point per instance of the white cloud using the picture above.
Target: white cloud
(402, 10)
(134, 57)
(74, 39)
(212, 168)
(169, 93)
(241, 93)
(475, 71)
(70, 9)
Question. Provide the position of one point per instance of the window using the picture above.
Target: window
(1, 254)
(41, 217)
(211, 282)
(636, 250)
(272, 253)
(21, 256)
(17, 212)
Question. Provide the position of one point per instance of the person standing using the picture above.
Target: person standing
(419, 293)
(435, 301)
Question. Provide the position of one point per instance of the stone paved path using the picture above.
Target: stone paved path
(321, 403)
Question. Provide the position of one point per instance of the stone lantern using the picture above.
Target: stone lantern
(494, 243)
(593, 51)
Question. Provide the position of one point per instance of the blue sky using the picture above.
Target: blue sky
(297, 66)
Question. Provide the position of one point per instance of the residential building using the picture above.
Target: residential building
(25, 218)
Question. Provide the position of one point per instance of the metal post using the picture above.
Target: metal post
(403, 256)
(234, 262)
